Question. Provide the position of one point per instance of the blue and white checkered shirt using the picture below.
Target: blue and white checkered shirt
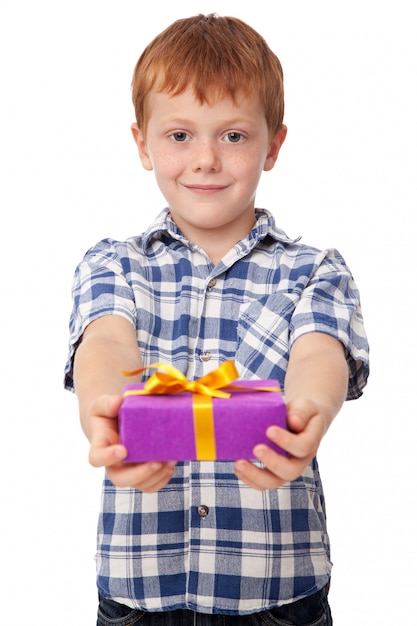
(206, 541)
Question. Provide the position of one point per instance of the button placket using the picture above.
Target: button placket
(206, 355)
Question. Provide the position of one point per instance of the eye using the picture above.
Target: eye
(234, 137)
(179, 136)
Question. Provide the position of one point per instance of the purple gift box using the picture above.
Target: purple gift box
(166, 427)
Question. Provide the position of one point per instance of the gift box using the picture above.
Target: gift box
(192, 421)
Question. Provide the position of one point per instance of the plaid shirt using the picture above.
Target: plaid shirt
(206, 541)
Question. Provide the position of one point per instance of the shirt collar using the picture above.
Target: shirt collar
(264, 226)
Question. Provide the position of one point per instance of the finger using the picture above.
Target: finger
(147, 477)
(159, 475)
(298, 445)
(106, 405)
(106, 456)
(295, 423)
(257, 478)
(155, 485)
(285, 468)
(299, 413)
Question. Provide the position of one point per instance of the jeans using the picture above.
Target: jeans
(311, 611)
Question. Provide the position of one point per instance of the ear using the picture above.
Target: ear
(143, 151)
(274, 148)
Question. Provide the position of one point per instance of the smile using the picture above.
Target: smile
(205, 189)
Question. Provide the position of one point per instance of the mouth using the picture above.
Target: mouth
(205, 189)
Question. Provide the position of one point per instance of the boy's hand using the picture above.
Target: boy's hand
(306, 427)
(106, 450)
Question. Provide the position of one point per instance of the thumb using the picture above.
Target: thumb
(299, 413)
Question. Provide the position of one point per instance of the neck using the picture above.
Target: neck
(216, 242)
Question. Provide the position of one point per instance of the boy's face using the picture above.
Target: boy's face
(208, 161)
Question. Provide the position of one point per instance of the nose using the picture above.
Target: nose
(206, 157)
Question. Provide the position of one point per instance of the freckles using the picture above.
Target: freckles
(247, 166)
(242, 161)
(166, 161)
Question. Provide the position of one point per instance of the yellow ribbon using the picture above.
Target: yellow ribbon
(204, 389)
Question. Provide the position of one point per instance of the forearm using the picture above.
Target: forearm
(315, 389)
(317, 371)
(98, 368)
(108, 347)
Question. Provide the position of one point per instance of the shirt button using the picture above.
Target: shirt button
(205, 356)
(211, 283)
(203, 510)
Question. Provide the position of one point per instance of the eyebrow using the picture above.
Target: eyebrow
(230, 122)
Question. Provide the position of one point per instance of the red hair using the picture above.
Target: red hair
(218, 57)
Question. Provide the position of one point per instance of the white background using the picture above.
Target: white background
(70, 175)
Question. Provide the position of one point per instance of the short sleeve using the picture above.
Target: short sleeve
(330, 303)
(99, 288)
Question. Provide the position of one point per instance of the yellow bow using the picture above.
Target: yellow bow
(172, 380)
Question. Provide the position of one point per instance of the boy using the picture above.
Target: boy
(213, 279)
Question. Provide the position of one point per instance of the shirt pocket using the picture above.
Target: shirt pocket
(264, 330)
